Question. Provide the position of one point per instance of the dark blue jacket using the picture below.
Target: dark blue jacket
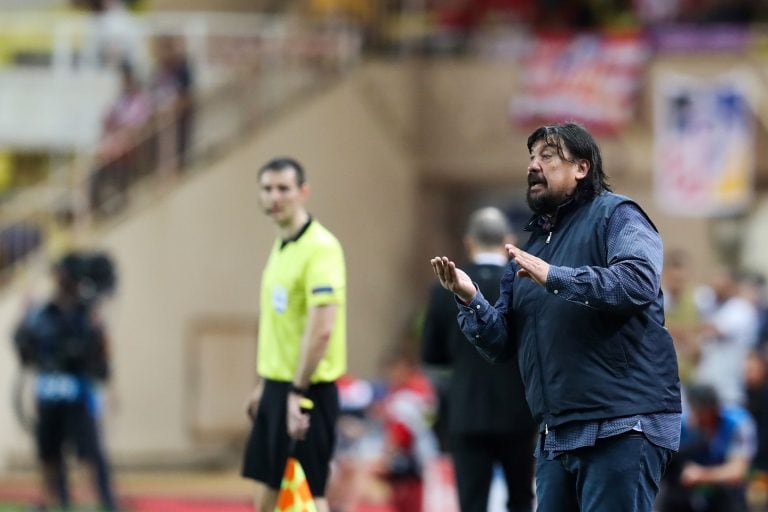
(580, 361)
(54, 340)
(482, 398)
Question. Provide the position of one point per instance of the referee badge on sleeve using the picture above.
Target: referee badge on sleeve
(279, 298)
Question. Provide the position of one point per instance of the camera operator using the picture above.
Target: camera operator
(63, 341)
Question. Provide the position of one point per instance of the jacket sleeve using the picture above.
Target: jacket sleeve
(489, 327)
(631, 280)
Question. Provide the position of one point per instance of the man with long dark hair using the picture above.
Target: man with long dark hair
(581, 307)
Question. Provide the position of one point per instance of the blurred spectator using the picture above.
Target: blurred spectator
(408, 439)
(118, 154)
(351, 472)
(720, 11)
(756, 377)
(355, 398)
(457, 20)
(17, 240)
(126, 118)
(172, 91)
(680, 310)
(651, 12)
(755, 289)
(565, 15)
(728, 333)
(64, 341)
(709, 473)
(116, 36)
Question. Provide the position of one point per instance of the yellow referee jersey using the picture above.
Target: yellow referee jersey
(302, 273)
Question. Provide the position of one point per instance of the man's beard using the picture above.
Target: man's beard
(545, 201)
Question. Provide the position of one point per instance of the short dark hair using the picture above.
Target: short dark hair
(582, 146)
(282, 163)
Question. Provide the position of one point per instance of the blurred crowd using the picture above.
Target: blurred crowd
(448, 25)
(720, 330)
(386, 443)
(150, 121)
(568, 13)
(148, 125)
(146, 128)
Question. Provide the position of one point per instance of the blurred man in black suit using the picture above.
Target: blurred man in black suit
(487, 418)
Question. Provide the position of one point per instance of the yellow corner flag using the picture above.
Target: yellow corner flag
(295, 495)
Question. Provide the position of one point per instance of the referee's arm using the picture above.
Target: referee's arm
(320, 322)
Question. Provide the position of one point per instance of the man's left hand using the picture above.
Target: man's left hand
(297, 420)
(530, 266)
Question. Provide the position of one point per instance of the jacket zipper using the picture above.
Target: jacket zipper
(539, 358)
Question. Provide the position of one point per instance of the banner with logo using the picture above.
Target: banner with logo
(588, 78)
(704, 143)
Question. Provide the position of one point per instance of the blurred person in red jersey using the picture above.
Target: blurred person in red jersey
(409, 443)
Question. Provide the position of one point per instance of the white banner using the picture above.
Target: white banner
(704, 143)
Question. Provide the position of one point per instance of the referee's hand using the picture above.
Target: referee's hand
(297, 420)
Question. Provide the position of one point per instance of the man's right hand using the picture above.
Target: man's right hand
(453, 278)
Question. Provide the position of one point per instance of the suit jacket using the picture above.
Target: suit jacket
(482, 397)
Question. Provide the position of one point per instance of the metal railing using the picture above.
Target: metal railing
(267, 70)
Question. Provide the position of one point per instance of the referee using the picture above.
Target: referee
(302, 341)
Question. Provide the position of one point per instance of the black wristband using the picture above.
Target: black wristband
(298, 391)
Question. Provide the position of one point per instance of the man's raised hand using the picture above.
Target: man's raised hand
(453, 278)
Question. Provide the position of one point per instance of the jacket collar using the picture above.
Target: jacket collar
(545, 222)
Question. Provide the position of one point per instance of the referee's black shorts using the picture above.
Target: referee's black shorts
(266, 452)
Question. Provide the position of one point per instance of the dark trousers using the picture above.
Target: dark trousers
(474, 456)
(60, 423)
(619, 474)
